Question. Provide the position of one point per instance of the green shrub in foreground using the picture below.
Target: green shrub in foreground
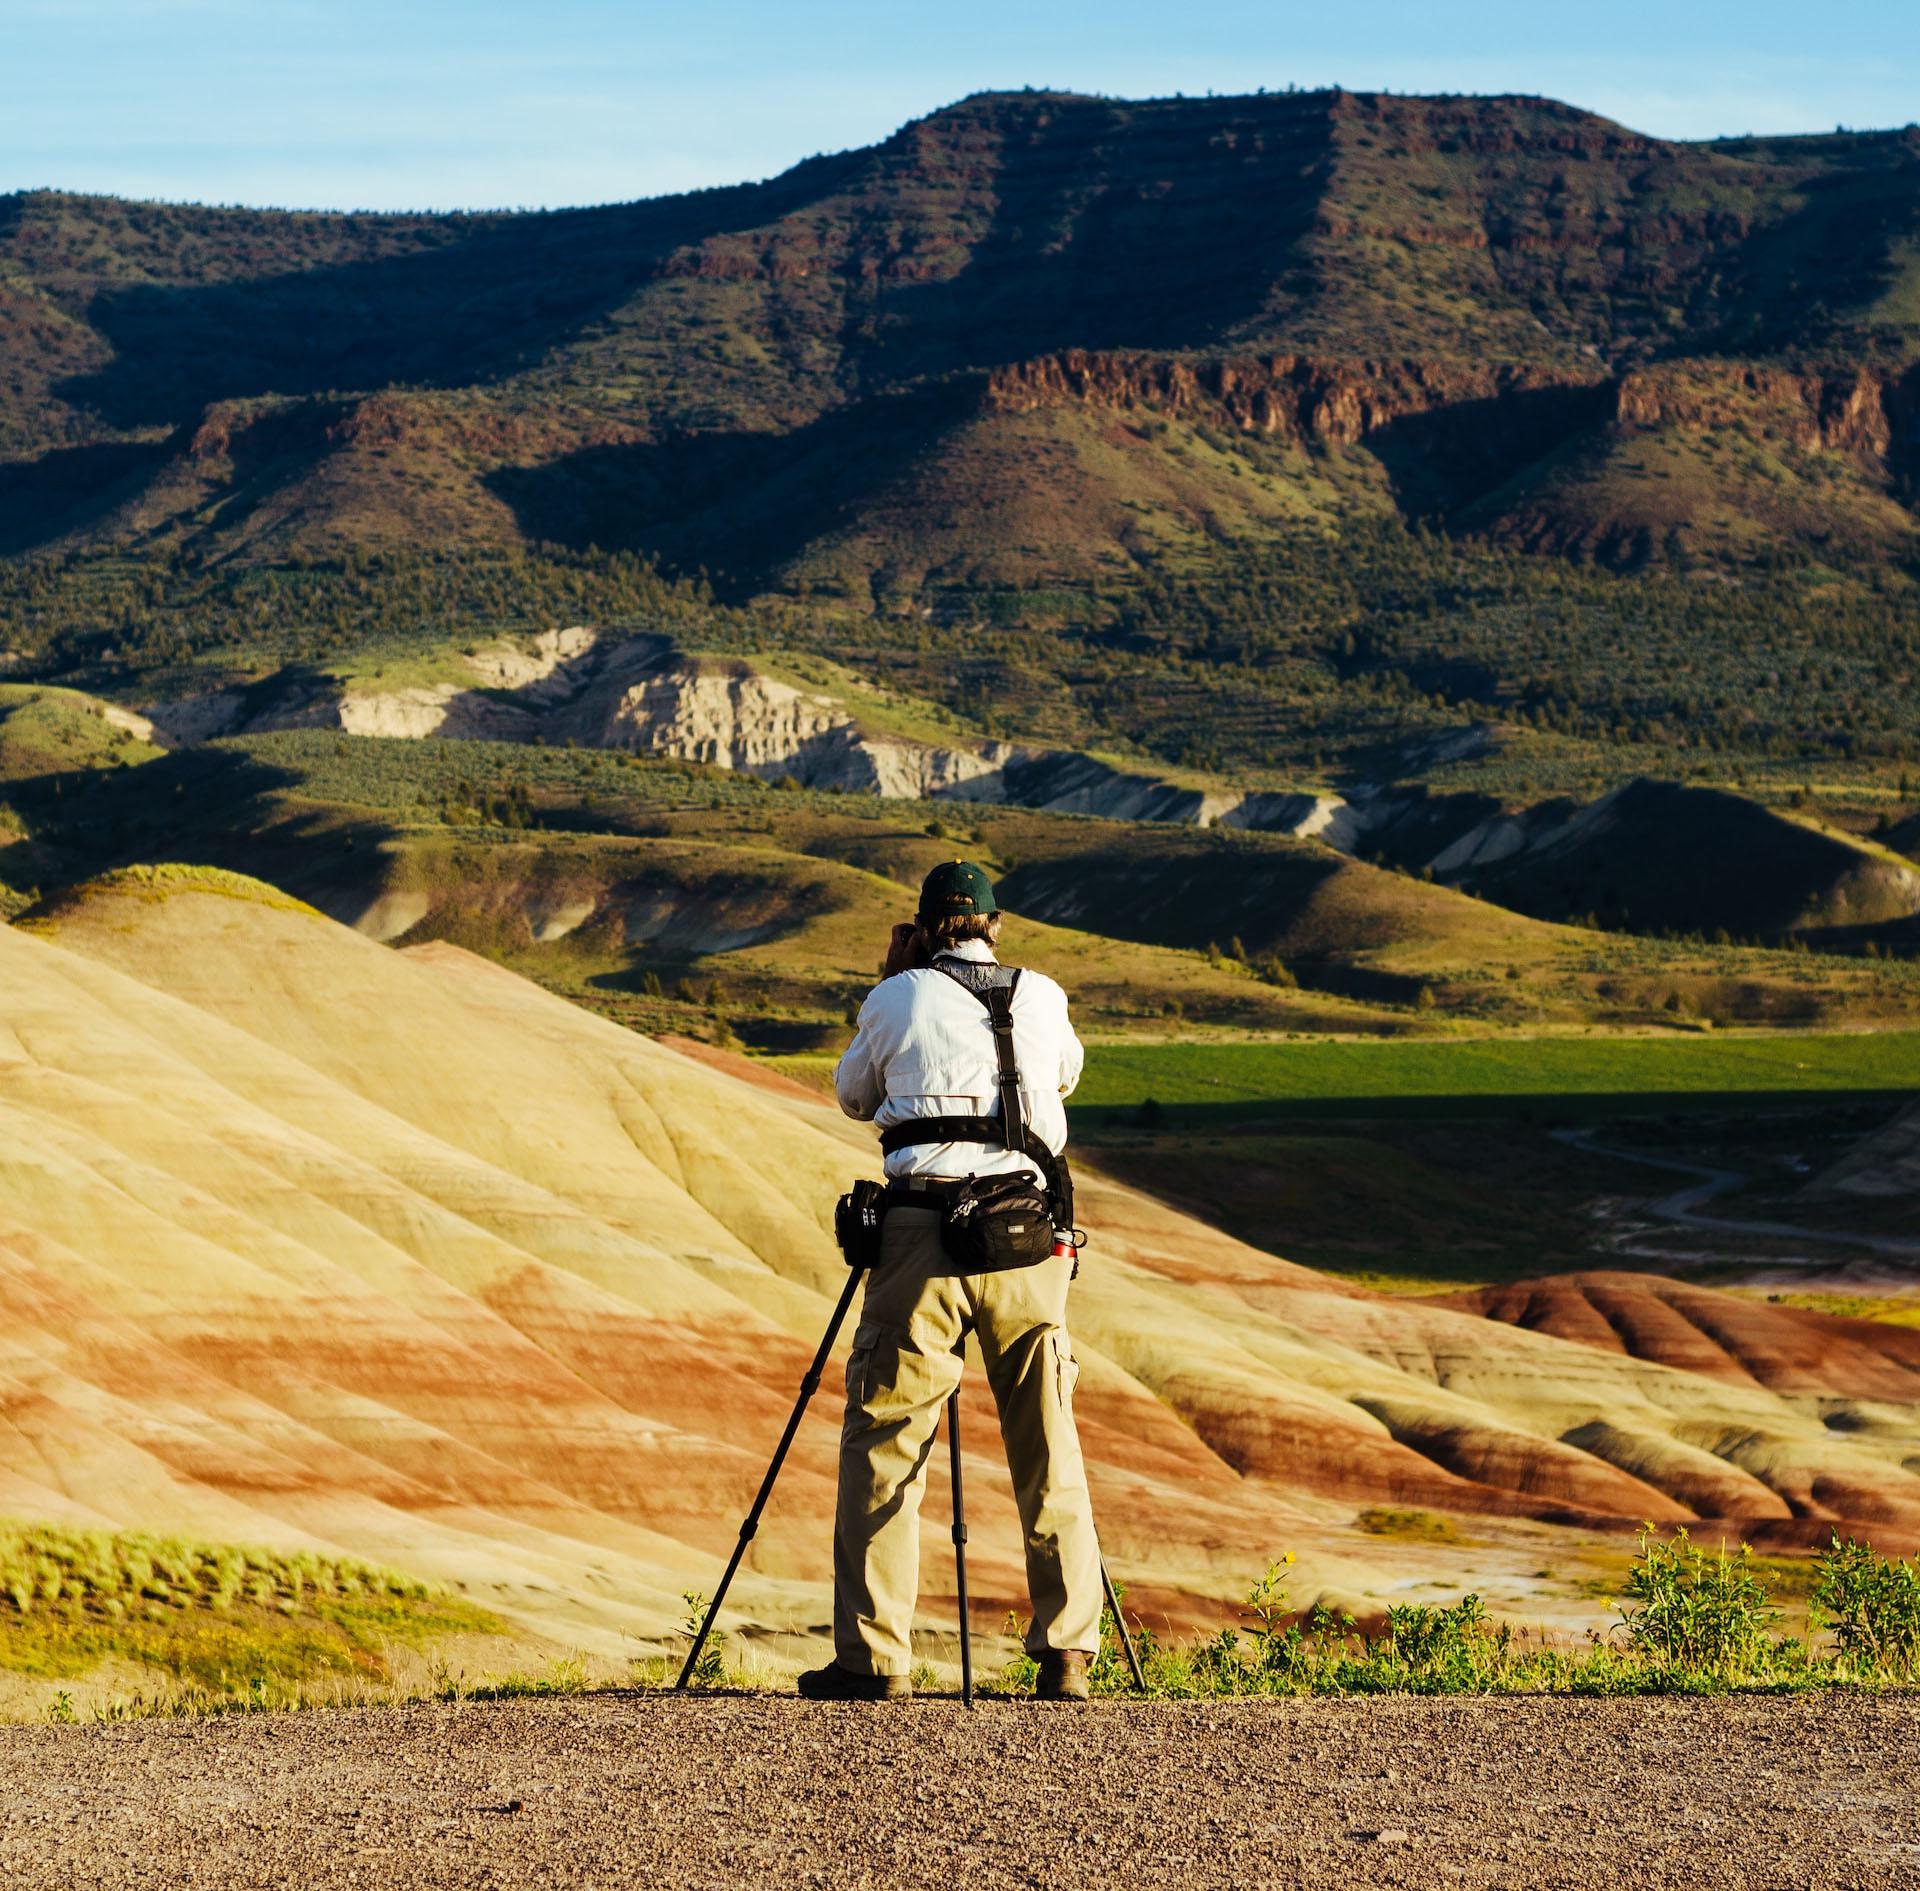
(1698, 1614)
(1691, 1622)
(230, 1630)
(1871, 1605)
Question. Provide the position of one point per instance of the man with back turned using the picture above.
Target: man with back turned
(925, 1049)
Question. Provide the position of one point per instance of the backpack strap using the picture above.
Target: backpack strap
(981, 1129)
(994, 986)
(998, 1000)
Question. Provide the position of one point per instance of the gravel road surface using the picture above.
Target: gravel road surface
(618, 1790)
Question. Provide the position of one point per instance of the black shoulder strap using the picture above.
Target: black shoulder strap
(998, 1000)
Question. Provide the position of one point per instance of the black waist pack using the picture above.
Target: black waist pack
(858, 1217)
(995, 1222)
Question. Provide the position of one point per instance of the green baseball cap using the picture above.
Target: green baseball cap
(956, 889)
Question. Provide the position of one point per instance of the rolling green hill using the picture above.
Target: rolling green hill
(46, 732)
(700, 900)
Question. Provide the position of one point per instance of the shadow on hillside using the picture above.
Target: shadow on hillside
(1082, 252)
(740, 502)
(204, 807)
(1842, 244)
(1892, 938)
(1448, 459)
(453, 301)
(1674, 858)
(69, 489)
(1550, 1111)
(1364, 983)
(1186, 888)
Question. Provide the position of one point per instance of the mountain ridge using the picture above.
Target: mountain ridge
(438, 369)
(1267, 438)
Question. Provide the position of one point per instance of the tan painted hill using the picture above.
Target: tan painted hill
(308, 1241)
(1743, 1342)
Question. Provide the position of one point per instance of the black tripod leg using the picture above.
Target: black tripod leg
(808, 1387)
(1120, 1622)
(960, 1549)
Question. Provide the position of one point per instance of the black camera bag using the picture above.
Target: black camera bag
(994, 1222)
(858, 1217)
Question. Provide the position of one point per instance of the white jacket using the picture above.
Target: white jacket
(924, 1047)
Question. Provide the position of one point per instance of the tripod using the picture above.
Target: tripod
(809, 1385)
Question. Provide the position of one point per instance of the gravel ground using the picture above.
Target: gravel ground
(617, 1790)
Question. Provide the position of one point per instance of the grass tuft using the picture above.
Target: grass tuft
(219, 1625)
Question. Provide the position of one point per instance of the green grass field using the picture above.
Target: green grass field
(1585, 1075)
(1572, 1075)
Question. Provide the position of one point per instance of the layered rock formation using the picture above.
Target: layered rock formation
(308, 1241)
(1852, 410)
(729, 715)
(1299, 398)
(642, 695)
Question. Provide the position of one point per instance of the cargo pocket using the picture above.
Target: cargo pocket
(860, 1369)
(887, 1378)
(1066, 1368)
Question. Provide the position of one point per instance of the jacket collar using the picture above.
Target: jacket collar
(974, 951)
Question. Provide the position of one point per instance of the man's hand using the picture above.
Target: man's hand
(906, 950)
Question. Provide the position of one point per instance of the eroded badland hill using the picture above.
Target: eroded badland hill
(312, 1242)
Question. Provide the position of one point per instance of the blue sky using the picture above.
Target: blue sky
(347, 103)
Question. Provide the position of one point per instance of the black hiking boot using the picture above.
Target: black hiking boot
(1063, 1676)
(835, 1683)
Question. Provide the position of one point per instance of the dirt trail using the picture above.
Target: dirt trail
(613, 1791)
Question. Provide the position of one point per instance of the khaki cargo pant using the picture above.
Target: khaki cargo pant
(906, 1358)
